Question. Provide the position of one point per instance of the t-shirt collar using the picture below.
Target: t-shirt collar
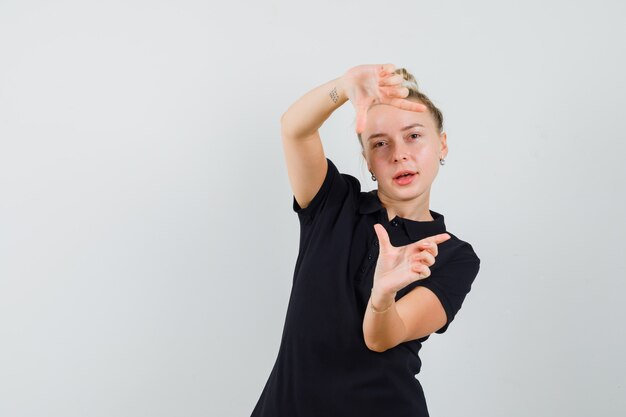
(369, 203)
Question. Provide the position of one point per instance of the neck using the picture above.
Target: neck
(417, 209)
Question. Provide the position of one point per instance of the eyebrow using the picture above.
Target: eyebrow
(378, 135)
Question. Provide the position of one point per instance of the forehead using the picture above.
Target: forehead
(383, 118)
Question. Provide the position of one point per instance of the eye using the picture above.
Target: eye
(378, 144)
(415, 136)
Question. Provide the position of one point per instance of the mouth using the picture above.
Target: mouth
(404, 174)
(404, 177)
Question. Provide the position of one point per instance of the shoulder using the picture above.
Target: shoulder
(336, 190)
(454, 249)
(352, 182)
(458, 250)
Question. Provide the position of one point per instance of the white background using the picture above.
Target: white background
(147, 241)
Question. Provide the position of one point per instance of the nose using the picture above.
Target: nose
(400, 153)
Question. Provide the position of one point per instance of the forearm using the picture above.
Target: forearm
(383, 327)
(307, 115)
(304, 153)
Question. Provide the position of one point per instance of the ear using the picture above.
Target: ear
(444, 144)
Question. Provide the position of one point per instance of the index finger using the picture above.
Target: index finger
(409, 105)
(440, 238)
(430, 243)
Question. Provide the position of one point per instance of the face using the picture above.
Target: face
(402, 149)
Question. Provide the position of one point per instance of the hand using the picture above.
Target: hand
(397, 267)
(366, 85)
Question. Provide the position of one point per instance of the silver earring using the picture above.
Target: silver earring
(442, 161)
(373, 176)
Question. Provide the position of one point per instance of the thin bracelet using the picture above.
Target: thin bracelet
(374, 308)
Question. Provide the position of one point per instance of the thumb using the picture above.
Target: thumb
(383, 237)
(361, 112)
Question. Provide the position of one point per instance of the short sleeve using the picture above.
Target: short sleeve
(333, 192)
(452, 281)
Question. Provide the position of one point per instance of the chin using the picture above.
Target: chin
(409, 197)
(406, 194)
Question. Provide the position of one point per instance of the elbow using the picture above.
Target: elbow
(286, 122)
(286, 130)
(291, 128)
(376, 346)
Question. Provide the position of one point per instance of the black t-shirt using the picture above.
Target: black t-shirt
(324, 368)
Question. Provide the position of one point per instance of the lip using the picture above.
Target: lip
(400, 179)
(400, 173)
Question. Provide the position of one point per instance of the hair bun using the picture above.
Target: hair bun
(416, 95)
(409, 80)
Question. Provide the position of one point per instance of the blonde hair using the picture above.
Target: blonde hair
(416, 95)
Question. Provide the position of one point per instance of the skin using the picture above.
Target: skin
(381, 109)
(395, 140)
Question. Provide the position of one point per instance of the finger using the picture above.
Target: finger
(395, 92)
(408, 104)
(440, 238)
(430, 243)
(361, 119)
(425, 245)
(424, 257)
(383, 238)
(433, 240)
(386, 69)
(391, 80)
(422, 270)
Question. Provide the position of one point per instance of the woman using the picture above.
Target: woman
(377, 272)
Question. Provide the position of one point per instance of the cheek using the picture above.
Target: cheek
(428, 160)
(378, 159)
(426, 153)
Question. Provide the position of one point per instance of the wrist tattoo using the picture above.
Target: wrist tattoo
(333, 95)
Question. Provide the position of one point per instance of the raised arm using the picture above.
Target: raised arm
(306, 162)
(364, 86)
